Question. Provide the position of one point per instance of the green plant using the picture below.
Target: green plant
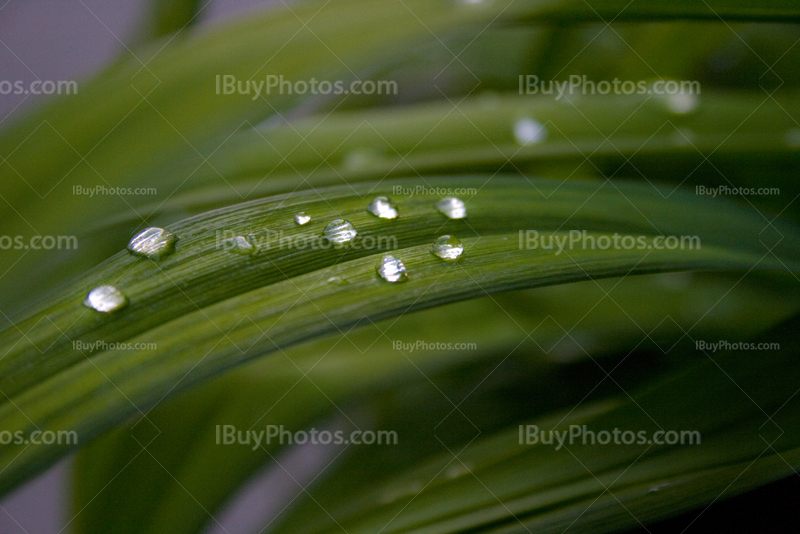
(298, 335)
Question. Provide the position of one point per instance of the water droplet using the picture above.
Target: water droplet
(240, 245)
(392, 270)
(105, 299)
(452, 207)
(301, 218)
(448, 247)
(529, 131)
(155, 243)
(339, 232)
(383, 207)
(337, 281)
(682, 103)
(657, 487)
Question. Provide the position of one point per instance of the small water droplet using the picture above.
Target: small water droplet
(301, 218)
(657, 487)
(155, 243)
(682, 103)
(240, 245)
(452, 207)
(339, 232)
(105, 299)
(447, 247)
(529, 131)
(337, 281)
(383, 207)
(392, 270)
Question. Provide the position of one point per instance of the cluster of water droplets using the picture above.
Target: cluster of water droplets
(156, 243)
(153, 243)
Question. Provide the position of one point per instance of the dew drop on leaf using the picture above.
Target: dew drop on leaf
(447, 247)
(452, 207)
(240, 245)
(392, 269)
(383, 207)
(154, 243)
(339, 232)
(301, 218)
(105, 299)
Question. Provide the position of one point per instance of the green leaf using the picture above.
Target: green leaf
(748, 435)
(184, 477)
(208, 309)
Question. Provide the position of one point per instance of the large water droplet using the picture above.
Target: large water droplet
(339, 232)
(682, 103)
(240, 245)
(392, 270)
(155, 243)
(301, 218)
(529, 131)
(452, 207)
(383, 207)
(105, 299)
(448, 247)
